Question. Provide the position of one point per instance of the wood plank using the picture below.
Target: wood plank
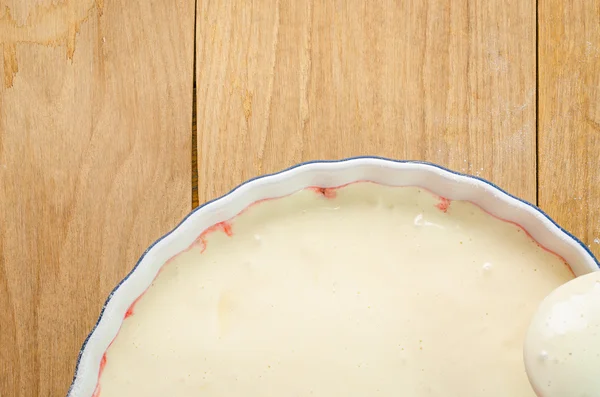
(569, 115)
(287, 81)
(95, 143)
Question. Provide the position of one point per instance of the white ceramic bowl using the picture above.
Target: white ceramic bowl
(439, 180)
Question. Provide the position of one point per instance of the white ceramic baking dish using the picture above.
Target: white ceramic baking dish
(441, 181)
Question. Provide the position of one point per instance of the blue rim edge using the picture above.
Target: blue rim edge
(85, 342)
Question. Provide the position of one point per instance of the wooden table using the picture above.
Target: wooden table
(118, 116)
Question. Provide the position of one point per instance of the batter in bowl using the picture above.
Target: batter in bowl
(562, 347)
(365, 290)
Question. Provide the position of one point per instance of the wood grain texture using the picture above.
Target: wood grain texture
(286, 81)
(569, 116)
(95, 143)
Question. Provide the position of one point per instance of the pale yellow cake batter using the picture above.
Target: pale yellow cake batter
(372, 291)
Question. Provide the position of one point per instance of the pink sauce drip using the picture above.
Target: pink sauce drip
(129, 311)
(327, 192)
(224, 226)
(102, 365)
(330, 193)
(443, 204)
